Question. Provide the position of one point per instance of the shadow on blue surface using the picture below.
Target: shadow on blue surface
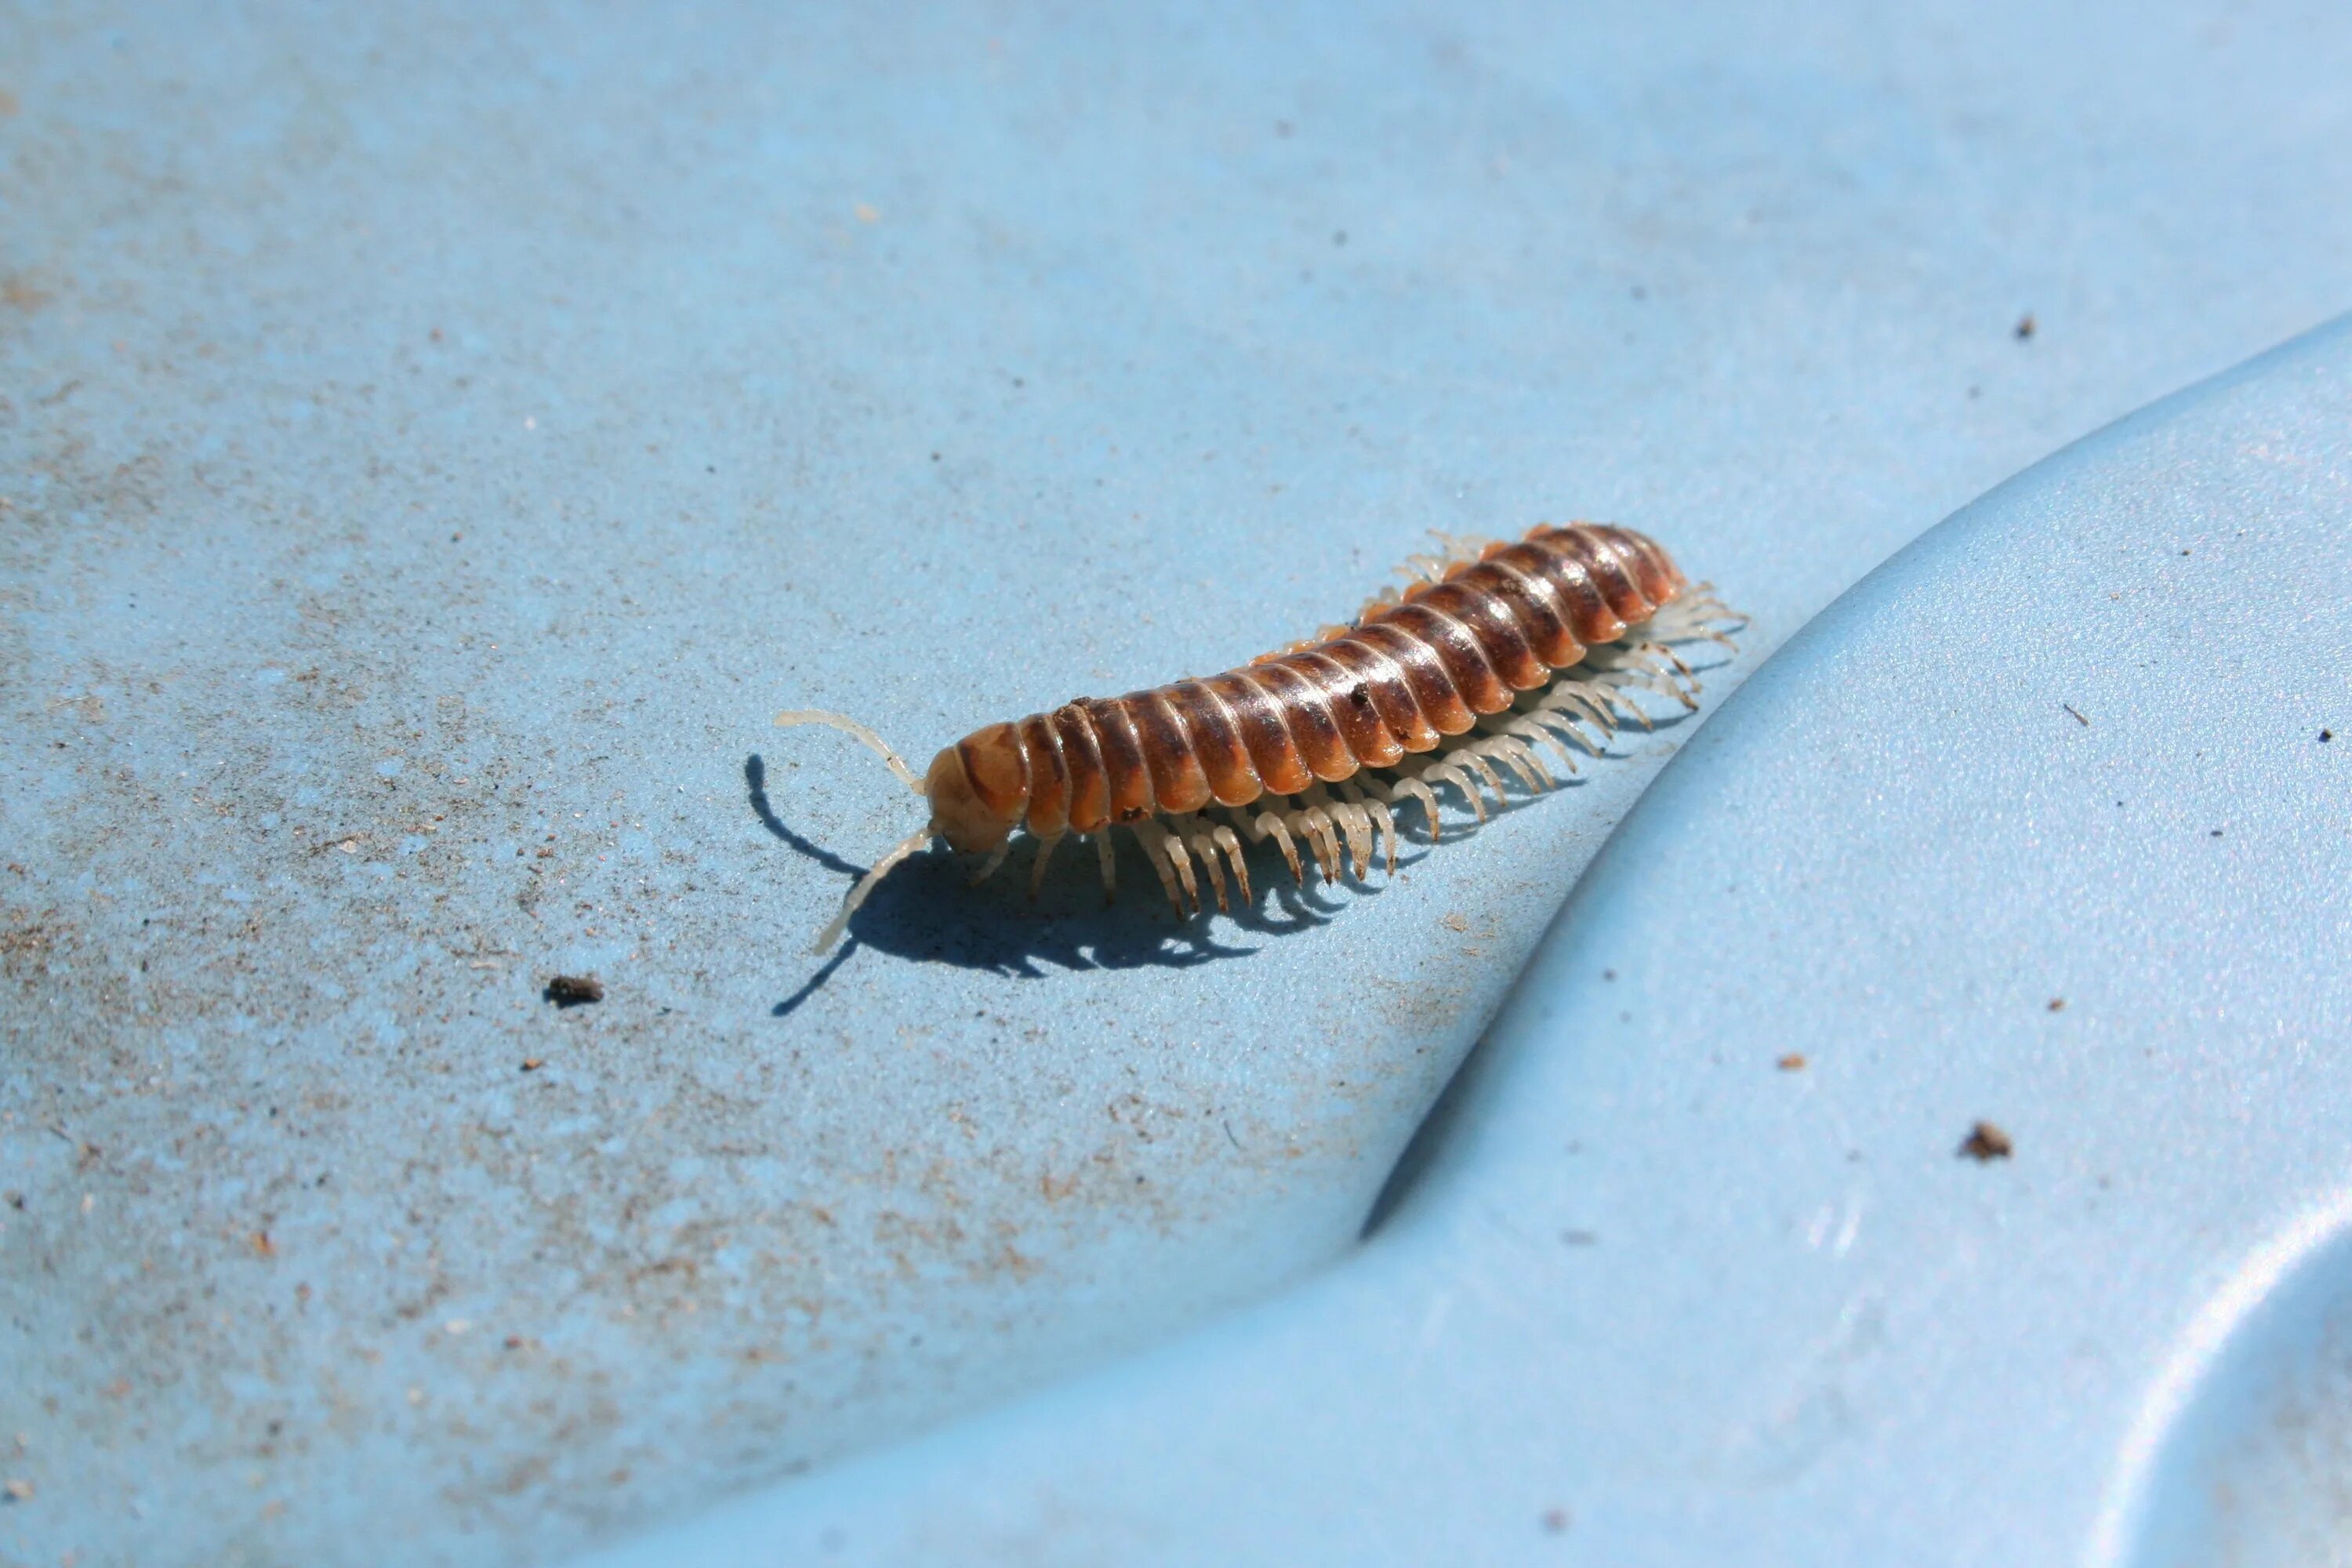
(929, 911)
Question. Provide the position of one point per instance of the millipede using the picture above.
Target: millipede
(1490, 650)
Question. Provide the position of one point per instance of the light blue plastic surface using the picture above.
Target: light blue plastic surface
(1712, 1310)
(433, 445)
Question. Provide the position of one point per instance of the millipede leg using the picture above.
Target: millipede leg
(1310, 821)
(1269, 825)
(1332, 817)
(1558, 727)
(1232, 848)
(1514, 756)
(1358, 827)
(1376, 820)
(1109, 858)
(1538, 725)
(1037, 867)
(1585, 698)
(1155, 838)
(1419, 789)
(1172, 842)
(996, 857)
(1204, 849)
(1383, 824)
(1486, 771)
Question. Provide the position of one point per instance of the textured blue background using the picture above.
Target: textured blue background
(434, 442)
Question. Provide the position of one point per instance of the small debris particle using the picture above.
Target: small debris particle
(1986, 1142)
(456, 1326)
(2325, 736)
(865, 213)
(1793, 1062)
(532, 1064)
(1580, 1237)
(571, 989)
(19, 1489)
(1607, 974)
(2024, 328)
(2217, 833)
(1455, 922)
(261, 1244)
(2077, 713)
(1340, 236)
(1556, 1521)
(2057, 1003)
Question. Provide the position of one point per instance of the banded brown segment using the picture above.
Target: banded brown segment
(998, 768)
(1408, 675)
(1257, 714)
(1516, 572)
(1351, 701)
(1470, 676)
(1177, 781)
(1469, 599)
(1089, 784)
(1565, 568)
(1612, 571)
(1125, 776)
(1433, 687)
(1390, 693)
(1049, 777)
(1217, 742)
(1662, 581)
(1308, 717)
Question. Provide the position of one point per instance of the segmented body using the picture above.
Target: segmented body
(1492, 649)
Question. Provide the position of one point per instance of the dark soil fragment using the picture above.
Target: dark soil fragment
(571, 989)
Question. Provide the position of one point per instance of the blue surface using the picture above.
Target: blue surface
(1713, 1310)
(434, 442)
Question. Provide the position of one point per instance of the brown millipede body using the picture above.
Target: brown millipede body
(1490, 648)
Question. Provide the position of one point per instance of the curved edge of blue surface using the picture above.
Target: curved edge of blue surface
(2028, 828)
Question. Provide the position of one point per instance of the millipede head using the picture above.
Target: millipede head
(979, 788)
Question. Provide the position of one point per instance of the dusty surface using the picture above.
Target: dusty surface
(431, 449)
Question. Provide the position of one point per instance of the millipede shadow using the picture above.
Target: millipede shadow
(926, 911)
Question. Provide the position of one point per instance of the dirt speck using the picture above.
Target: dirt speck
(571, 989)
(2025, 327)
(19, 1489)
(1556, 1521)
(532, 1064)
(1793, 1062)
(2325, 736)
(1986, 1142)
(2077, 713)
(2057, 1003)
